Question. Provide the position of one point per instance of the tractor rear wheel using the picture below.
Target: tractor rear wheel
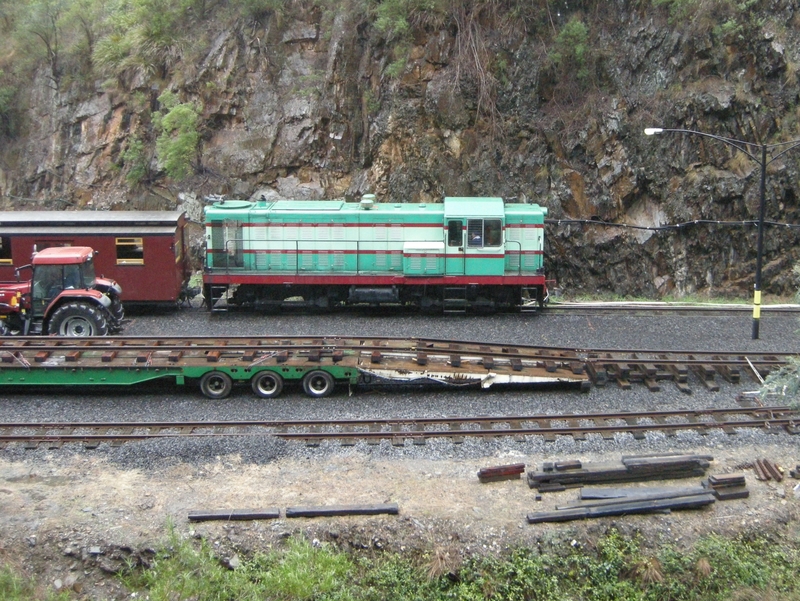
(78, 319)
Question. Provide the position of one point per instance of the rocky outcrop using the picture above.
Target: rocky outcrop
(313, 105)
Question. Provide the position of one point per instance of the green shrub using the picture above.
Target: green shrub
(678, 9)
(258, 9)
(137, 162)
(177, 144)
(571, 48)
(8, 108)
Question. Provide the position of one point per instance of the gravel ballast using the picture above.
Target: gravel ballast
(729, 332)
(83, 515)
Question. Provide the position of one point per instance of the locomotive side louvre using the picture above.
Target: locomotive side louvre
(479, 250)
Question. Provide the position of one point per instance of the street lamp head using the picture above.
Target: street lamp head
(652, 131)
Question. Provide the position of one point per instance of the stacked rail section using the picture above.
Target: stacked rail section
(319, 363)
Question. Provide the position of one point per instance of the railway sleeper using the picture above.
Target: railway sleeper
(598, 376)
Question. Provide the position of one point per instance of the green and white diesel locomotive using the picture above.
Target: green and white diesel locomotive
(476, 254)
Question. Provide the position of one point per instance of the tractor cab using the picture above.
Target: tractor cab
(52, 275)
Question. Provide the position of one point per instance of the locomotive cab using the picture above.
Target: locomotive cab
(474, 236)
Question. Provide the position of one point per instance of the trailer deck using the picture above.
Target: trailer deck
(267, 363)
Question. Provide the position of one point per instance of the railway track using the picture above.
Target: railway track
(417, 431)
(590, 308)
(318, 363)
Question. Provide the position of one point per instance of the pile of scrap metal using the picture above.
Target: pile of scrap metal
(600, 502)
(566, 474)
(767, 470)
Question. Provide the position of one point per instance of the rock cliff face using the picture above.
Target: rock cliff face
(315, 104)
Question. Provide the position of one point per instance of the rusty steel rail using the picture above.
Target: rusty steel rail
(398, 430)
(356, 360)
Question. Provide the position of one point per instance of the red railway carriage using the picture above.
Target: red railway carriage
(144, 251)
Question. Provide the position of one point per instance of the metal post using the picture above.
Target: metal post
(780, 149)
(760, 244)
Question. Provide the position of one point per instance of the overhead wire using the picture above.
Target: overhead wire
(668, 227)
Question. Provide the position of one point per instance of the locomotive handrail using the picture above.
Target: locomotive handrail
(229, 254)
(519, 266)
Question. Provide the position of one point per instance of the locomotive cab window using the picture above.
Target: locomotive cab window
(493, 232)
(455, 234)
(130, 251)
(484, 232)
(5, 250)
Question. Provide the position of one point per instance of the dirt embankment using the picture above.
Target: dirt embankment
(74, 520)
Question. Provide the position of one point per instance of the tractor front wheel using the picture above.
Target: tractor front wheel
(117, 312)
(78, 319)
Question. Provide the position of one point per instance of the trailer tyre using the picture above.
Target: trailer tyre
(318, 383)
(78, 319)
(216, 385)
(267, 384)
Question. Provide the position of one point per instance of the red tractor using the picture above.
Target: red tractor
(62, 298)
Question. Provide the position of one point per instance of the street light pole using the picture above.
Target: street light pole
(760, 243)
(762, 161)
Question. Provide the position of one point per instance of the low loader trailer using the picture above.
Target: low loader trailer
(266, 364)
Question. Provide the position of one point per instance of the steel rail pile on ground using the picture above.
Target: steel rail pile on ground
(318, 362)
(417, 431)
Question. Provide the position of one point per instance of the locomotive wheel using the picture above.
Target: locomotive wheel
(216, 385)
(267, 384)
(78, 319)
(318, 384)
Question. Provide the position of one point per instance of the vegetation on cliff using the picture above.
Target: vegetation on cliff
(146, 103)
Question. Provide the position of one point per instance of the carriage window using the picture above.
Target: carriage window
(130, 251)
(177, 246)
(42, 244)
(455, 235)
(5, 250)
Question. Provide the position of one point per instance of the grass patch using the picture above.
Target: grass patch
(614, 568)
(300, 571)
(14, 587)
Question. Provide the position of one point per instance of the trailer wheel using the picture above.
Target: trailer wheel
(267, 384)
(78, 319)
(318, 383)
(216, 385)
